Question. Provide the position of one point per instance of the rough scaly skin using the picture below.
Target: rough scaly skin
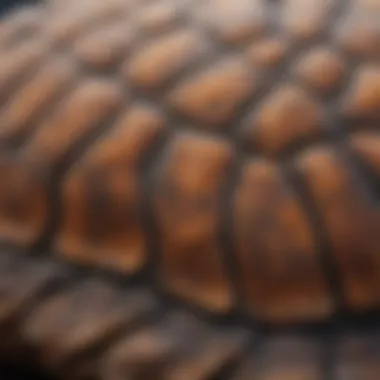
(181, 180)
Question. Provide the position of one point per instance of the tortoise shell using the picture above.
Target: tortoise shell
(198, 173)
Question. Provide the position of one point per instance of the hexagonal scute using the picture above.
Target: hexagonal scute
(287, 116)
(212, 96)
(155, 64)
(322, 69)
(188, 186)
(363, 98)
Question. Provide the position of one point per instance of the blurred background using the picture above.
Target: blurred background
(7, 5)
(8, 372)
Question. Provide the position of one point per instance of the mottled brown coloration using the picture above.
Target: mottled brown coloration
(321, 68)
(306, 19)
(90, 103)
(22, 112)
(267, 53)
(212, 97)
(363, 98)
(287, 280)
(366, 144)
(17, 61)
(351, 219)
(161, 60)
(23, 199)
(102, 48)
(221, 155)
(94, 230)
(188, 185)
(235, 22)
(158, 16)
(288, 116)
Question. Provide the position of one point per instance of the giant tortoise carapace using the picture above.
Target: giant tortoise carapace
(189, 189)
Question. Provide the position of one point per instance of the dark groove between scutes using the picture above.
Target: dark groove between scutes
(16, 142)
(328, 265)
(227, 229)
(329, 357)
(78, 149)
(147, 167)
(20, 79)
(344, 321)
(367, 175)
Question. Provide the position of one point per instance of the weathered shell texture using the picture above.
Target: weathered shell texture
(189, 189)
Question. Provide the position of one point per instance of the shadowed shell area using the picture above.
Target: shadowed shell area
(189, 189)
